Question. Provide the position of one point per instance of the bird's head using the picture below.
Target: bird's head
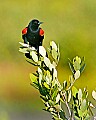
(34, 24)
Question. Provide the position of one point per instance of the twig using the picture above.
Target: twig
(71, 85)
(69, 111)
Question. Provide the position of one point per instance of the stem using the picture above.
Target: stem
(71, 85)
(68, 108)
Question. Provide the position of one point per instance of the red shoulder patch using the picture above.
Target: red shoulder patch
(24, 31)
(41, 32)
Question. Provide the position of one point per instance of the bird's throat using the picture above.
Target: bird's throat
(34, 29)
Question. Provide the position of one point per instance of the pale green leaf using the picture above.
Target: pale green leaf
(71, 79)
(23, 50)
(69, 96)
(23, 44)
(77, 74)
(34, 56)
(40, 75)
(54, 73)
(40, 78)
(47, 62)
(58, 98)
(94, 94)
(76, 65)
(78, 59)
(54, 64)
(58, 107)
(53, 45)
(91, 105)
(54, 54)
(80, 94)
(42, 51)
(51, 67)
(83, 105)
(39, 70)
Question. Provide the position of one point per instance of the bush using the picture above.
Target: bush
(52, 93)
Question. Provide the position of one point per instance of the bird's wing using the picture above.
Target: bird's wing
(41, 32)
(24, 31)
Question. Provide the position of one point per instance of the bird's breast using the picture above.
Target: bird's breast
(33, 37)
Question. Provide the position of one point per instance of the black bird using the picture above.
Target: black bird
(33, 34)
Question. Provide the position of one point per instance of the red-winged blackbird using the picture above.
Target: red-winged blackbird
(33, 34)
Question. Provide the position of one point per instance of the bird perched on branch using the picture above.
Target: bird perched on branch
(33, 34)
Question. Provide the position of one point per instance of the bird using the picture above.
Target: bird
(33, 35)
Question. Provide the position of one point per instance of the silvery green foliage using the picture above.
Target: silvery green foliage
(52, 93)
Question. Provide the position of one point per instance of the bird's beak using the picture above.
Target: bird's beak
(40, 23)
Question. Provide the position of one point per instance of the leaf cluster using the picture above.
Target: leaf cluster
(52, 93)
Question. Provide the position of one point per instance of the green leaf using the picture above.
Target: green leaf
(34, 56)
(82, 68)
(47, 86)
(71, 79)
(43, 90)
(31, 62)
(51, 103)
(44, 98)
(58, 57)
(48, 78)
(77, 118)
(33, 78)
(74, 91)
(94, 94)
(62, 115)
(64, 84)
(54, 92)
(71, 66)
(35, 85)
(82, 61)
(85, 93)
(80, 113)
